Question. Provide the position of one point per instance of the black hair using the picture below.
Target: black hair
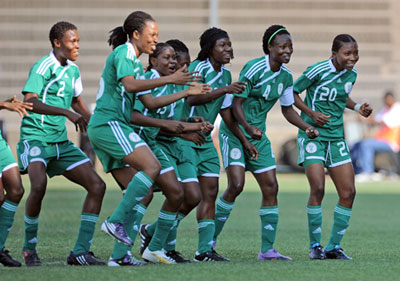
(340, 39)
(58, 30)
(159, 48)
(267, 40)
(178, 45)
(135, 21)
(208, 39)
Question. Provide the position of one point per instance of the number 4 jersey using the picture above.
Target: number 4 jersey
(327, 92)
(55, 85)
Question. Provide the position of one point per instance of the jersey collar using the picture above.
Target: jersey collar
(333, 68)
(57, 64)
(155, 73)
(209, 63)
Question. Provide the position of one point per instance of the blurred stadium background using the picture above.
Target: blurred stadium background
(25, 24)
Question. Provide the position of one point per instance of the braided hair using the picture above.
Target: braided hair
(272, 31)
(208, 40)
(160, 47)
(135, 21)
(58, 30)
(340, 39)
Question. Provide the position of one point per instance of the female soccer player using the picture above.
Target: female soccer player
(173, 161)
(110, 132)
(216, 50)
(328, 85)
(10, 180)
(53, 86)
(267, 80)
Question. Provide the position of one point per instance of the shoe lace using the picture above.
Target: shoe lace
(120, 229)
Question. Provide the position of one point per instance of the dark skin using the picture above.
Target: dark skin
(84, 175)
(280, 51)
(343, 176)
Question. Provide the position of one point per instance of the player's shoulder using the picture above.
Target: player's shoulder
(254, 66)
(318, 68)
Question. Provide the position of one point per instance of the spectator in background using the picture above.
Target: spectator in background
(387, 139)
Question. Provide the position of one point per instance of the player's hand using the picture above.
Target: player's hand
(254, 132)
(365, 110)
(311, 132)
(182, 77)
(79, 121)
(173, 126)
(320, 119)
(198, 89)
(251, 150)
(195, 137)
(236, 87)
(206, 127)
(13, 104)
(195, 119)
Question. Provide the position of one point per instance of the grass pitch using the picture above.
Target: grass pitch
(372, 238)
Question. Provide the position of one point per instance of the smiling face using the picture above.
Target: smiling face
(346, 57)
(67, 47)
(281, 48)
(146, 41)
(222, 51)
(165, 62)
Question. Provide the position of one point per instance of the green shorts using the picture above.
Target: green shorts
(204, 159)
(328, 153)
(183, 166)
(112, 142)
(233, 153)
(166, 164)
(57, 157)
(7, 160)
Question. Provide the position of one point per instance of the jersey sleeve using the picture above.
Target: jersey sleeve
(139, 106)
(78, 87)
(124, 66)
(303, 82)
(227, 101)
(287, 98)
(36, 80)
(244, 77)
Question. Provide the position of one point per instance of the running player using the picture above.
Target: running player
(113, 139)
(267, 80)
(53, 86)
(328, 85)
(10, 180)
(216, 50)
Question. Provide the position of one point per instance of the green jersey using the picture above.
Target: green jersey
(209, 111)
(55, 85)
(113, 102)
(172, 111)
(264, 88)
(327, 92)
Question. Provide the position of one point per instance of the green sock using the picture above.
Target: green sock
(206, 234)
(341, 218)
(222, 213)
(7, 212)
(120, 249)
(151, 228)
(140, 211)
(171, 239)
(269, 222)
(164, 223)
(31, 229)
(86, 231)
(137, 189)
(314, 215)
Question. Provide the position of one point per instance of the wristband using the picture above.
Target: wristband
(357, 107)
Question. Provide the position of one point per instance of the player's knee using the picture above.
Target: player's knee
(2, 198)
(235, 188)
(16, 193)
(192, 199)
(153, 170)
(317, 193)
(176, 196)
(348, 195)
(99, 187)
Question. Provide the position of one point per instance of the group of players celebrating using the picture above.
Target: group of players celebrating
(151, 131)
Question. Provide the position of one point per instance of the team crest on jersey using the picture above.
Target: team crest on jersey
(235, 153)
(311, 147)
(280, 88)
(347, 87)
(35, 151)
(134, 137)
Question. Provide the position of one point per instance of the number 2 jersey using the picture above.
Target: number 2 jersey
(327, 92)
(55, 85)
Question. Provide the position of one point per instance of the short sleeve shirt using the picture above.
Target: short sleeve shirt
(327, 90)
(55, 85)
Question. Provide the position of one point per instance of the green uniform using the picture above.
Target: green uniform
(166, 149)
(55, 85)
(327, 92)
(7, 160)
(109, 130)
(205, 157)
(264, 88)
